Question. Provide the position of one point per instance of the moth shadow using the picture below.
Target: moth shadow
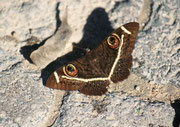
(96, 29)
(176, 106)
(28, 49)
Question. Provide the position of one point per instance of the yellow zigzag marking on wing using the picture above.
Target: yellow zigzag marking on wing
(125, 30)
(56, 77)
(112, 69)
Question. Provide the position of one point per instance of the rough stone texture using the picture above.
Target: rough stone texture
(53, 47)
(145, 13)
(25, 102)
(157, 48)
(112, 111)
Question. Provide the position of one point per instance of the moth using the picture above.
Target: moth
(109, 63)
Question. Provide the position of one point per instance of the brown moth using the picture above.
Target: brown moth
(109, 62)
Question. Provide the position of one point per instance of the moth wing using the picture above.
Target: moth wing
(95, 64)
(98, 63)
(95, 88)
(122, 68)
(56, 81)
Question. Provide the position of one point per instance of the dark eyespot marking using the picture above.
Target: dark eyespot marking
(113, 41)
(70, 70)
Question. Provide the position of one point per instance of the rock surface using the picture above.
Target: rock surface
(26, 25)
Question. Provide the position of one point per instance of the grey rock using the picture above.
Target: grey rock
(113, 111)
(53, 47)
(22, 95)
(25, 102)
(157, 46)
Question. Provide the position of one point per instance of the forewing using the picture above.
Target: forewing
(95, 87)
(122, 68)
(95, 68)
(95, 64)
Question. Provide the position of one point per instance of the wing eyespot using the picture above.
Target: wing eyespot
(113, 41)
(70, 70)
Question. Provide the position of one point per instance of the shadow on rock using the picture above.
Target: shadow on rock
(176, 106)
(28, 49)
(97, 28)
